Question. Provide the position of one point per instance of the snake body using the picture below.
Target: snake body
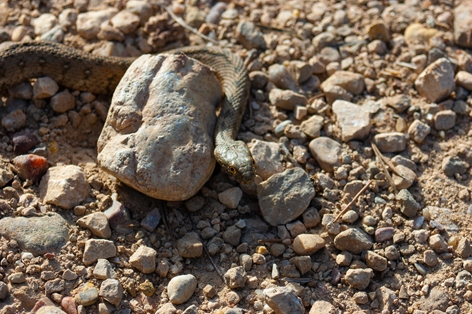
(82, 71)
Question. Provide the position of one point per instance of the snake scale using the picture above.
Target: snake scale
(82, 71)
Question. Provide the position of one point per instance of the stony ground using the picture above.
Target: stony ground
(351, 97)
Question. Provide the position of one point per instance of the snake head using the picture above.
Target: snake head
(235, 158)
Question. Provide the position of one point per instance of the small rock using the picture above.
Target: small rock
(44, 87)
(125, 21)
(69, 275)
(327, 153)
(359, 278)
(97, 223)
(88, 23)
(285, 196)
(3, 290)
(344, 258)
(103, 269)
(307, 244)
(69, 305)
(144, 259)
(436, 82)
(232, 235)
(322, 307)
(384, 234)
(312, 126)
(64, 186)
(190, 246)
(112, 291)
(151, 220)
(438, 244)
(351, 82)
(236, 277)
(430, 258)
(281, 77)
(390, 142)
(418, 131)
(62, 102)
(444, 120)
(30, 167)
(286, 99)
(452, 165)
(23, 141)
(463, 248)
(352, 240)
(283, 300)
(408, 205)
(353, 119)
(350, 217)
(96, 249)
(249, 35)
(231, 197)
(55, 285)
(303, 263)
(87, 295)
(311, 217)
(464, 79)
(375, 261)
(181, 288)
(17, 277)
(462, 20)
(14, 120)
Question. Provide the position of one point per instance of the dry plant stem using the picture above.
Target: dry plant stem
(186, 26)
(353, 201)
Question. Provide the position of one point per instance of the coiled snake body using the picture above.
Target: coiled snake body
(78, 70)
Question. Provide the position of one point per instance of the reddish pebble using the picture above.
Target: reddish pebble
(384, 234)
(31, 167)
(23, 141)
(40, 303)
(68, 304)
(49, 256)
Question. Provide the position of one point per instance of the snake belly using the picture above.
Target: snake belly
(82, 71)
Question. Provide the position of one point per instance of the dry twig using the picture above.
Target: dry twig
(346, 208)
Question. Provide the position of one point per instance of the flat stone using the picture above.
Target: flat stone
(63, 102)
(312, 126)
(167, 151)
(285, 196)
(37, 235)
(181, 288)
(438, 244)
(232, 235)
(236, 277)
(444, 120)
(112, 291)
(408, 205)
(353, 119)
(230, 197)
(375, 261)
(322, 307)
(97, 223)
(384, 234)
(351, 82)
(307, 244)
(96, 249)
(353, 240)
(436, 82)
(327, 152)
(286, 99)
(283, 300)
(103, 269)
(190, 246)
(464, 79)
(249, 35)
(125, 21)
(452, 165)
(418, 131)
(390, 142)
(64, 186)
(88, 23)
(144, 259)
(87, 295)
(359, 278)
(44, 87)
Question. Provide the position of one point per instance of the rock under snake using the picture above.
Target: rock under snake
(82, 71)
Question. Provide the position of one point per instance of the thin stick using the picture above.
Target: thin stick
(353, 200)
(185, 25)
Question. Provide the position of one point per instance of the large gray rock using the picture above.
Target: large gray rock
(158, 137)
(285, 196)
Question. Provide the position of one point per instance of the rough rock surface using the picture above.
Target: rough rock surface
(166, 151)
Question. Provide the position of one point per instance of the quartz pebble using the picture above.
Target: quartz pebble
(144, 259)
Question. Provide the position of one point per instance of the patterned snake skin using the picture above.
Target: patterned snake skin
(78, 70)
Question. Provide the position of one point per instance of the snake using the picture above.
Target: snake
(79, 70)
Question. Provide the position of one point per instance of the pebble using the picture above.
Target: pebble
(322, 307)
(444, 120)
(125, 21)
(54, 285)
(44, 87)
(384, 234)
(312, 126)
(418, 131)
(438, 244)
(375, 261)
(359, 278)
(285, 196)
(464, 79)
(249, 35)
(352, 240)
(64, 186)
(144, 259)
(43, 23)
(327, 152)
(6, 175)
(236, 277)
(390, 142)
(112, 291)
(103, 269)
(14, 120)
(147, 288)
(151, 221)
(464, 248)
(97, 223)
(230, 197)
(51, 229)
(303, 263)
(452, 165)
(311, 217)
(267, 158)
(69, 275)
(351, 82)
(87, 294)
(462, 20)
(353, 119)
(283, 300)
(190, 246)
(430, 258)
(68, 304)
(436, 82)
(232, 235)
(50, 310)
(96, 249)
(344, 258)
(17, 277)
(88, 23)
(307, 244)
(281, 77)
(62, 102)
(408, 205)
(117, 215)
(286, 99)
(23, 141)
